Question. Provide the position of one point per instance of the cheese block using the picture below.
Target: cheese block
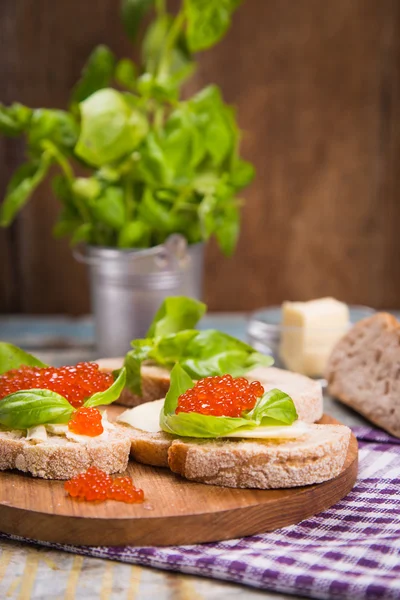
(310, 330)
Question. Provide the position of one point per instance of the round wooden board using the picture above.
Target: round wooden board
(175, 511)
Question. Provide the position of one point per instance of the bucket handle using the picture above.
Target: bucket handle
(173, 253)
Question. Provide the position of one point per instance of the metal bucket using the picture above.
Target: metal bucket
(128, 286)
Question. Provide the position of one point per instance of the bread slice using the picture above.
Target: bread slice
(155, 381)
(57, 457)
(151, 448)
(263, 464)
(363, 370)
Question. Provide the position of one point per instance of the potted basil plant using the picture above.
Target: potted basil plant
(155, 166)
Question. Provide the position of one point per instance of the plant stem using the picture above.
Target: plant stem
(160, 7)
(129, 199)
(170, 42)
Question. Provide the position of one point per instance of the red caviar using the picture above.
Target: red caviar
(86, 421)
(224, 396)
(95, 484)
(75, 383)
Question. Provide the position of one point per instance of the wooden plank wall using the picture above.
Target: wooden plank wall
(316, 85)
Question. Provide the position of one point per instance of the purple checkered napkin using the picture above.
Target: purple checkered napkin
(351, 551)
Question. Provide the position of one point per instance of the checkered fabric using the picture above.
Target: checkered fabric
(351, 551)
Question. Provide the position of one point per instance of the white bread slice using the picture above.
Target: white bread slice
(155, 381)
(363, 370)
(60, 458)
(316, 457)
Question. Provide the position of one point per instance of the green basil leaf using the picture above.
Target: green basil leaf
(125, 73)
(111, 127)
(29, 408)
(133, 362)
(111, 394)
(135, 234)
(274, 407)
(228, 228)
(21, 186)
(86, 188)
(208, 21)
(176, 313)
(50, 125)
(242, 173)
(109, 208)
(213, 353)
(96, 74)
(12, 357)
(180, 383)
(14, 119)
(132, 14)
(169, 349)
(82, 233)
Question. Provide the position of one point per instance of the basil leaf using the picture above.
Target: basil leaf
(96, 74)
(274, 407)
(201, 426)
(135, 234)
(29, 408)
(180, 383)
(110, 127)
(132, 14)
(208, 21)
(109, 208)
(212, 353)
(176, 313)
(169, 349)
(111, 394)
(21, 186)
(14, 119)
(133, 362)
(52, 126)
(125, 73)
(12, 357)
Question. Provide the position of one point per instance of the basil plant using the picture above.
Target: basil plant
(154, 163)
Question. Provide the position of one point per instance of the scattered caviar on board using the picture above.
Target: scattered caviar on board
(96, 485)
(224, 396)
(75, 383)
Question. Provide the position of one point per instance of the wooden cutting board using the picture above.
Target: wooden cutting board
(175, 511)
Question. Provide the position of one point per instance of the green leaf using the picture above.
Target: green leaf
(212, 353)
(242, 174)
(215, 122)
(12, 357)
(111, 127)
(50, 125)
(274, 407)
(21, 186)
(125, 73)
(87, 188)
(169, 349)
(133, 362)
(208, 21)
(111, 394)
(135, 234)
(96, 74)
(132, 14)
(180, 383)
(228, 229)
(14, 119)
(176, 313)
(29, 408)
(159, 215)
(83, 233)
(109, 208)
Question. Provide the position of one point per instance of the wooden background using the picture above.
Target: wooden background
(317, 90)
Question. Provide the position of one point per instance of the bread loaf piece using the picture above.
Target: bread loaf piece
(363, 370)
(155, 381)
(60, 458)
(263, 464)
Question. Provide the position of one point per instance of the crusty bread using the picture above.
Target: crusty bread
(263, 464)
(60, 458)
(155, 381)
(363, 370)
(306, 393)
(149, 448)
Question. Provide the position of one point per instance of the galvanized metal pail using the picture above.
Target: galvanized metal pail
(128, 286)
